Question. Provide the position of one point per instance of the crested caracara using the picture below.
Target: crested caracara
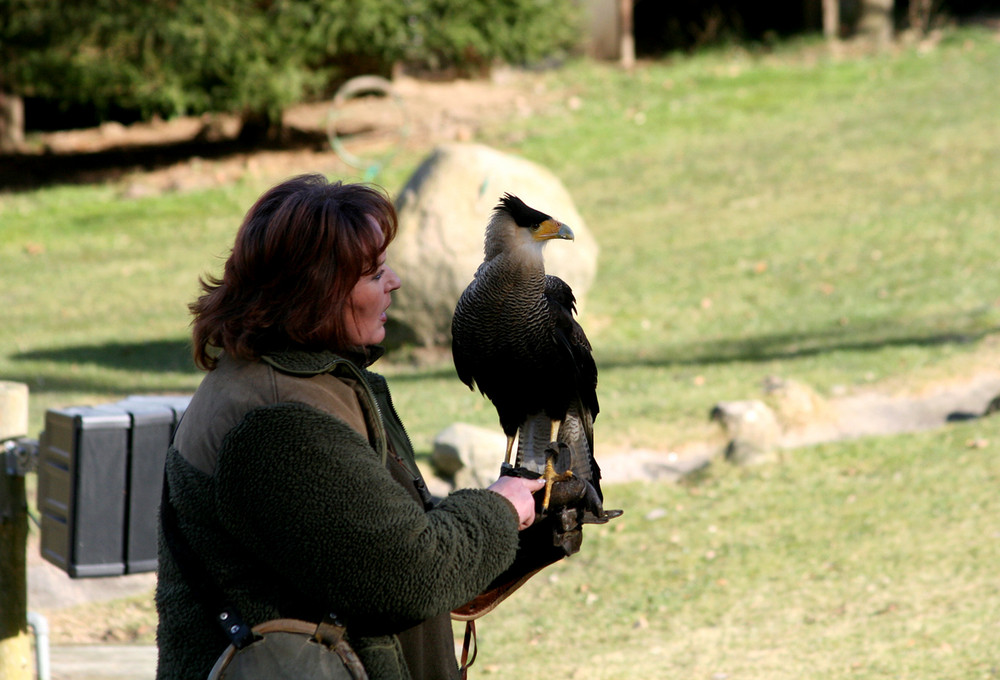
(514, 336)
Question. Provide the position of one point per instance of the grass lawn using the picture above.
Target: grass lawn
(873, 559)
(833, 221)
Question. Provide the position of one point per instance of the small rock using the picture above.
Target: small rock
(795, 403)
(752, 429)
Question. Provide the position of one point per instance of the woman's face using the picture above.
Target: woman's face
(367, 305)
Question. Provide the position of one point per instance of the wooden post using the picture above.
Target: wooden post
(831, 19)
(15, 644)
(626, 35)
(11, 122)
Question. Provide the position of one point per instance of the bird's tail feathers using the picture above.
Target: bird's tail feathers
(578, 432)
(533, 438)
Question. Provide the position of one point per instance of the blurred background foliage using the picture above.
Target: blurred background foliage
(127, 61)
(77, 63)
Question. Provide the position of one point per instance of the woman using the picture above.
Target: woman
(290, 474)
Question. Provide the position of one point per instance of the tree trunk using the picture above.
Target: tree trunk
(258, 127)
(15, 645)
(11, 125)
(920, 16)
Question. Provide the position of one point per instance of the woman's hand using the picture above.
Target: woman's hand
(518, 491)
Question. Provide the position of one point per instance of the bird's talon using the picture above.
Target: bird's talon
(551, 477)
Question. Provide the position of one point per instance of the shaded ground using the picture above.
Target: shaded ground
(193, 152)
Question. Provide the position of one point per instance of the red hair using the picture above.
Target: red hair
(298, 254)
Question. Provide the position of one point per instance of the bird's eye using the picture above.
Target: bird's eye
(534, 228)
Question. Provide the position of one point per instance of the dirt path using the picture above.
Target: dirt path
(874, 413)
(865, 414)
(190, 153)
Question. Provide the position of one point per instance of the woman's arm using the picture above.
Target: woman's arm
(309, 496)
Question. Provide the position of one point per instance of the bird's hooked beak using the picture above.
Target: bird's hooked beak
(550, 229)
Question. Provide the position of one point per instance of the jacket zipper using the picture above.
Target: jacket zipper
(381, 437)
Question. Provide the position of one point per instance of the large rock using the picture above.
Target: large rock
(993, 406)
(443, 211)
(468, 455)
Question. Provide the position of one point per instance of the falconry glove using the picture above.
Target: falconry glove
(556, 533)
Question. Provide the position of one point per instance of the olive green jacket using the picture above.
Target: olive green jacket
(295, 482)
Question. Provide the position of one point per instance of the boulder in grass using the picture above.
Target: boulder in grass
(443, 211)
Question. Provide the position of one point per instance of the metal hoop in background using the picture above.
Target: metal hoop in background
(357, 87)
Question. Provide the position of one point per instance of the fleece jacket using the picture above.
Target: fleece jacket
(295, 483)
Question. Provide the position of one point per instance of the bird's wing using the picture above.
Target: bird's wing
(578, 368)
(570, 336)
(462, 359)
(463, 350)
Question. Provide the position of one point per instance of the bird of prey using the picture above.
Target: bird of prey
(514, 336)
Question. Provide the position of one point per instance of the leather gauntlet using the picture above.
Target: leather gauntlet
(556, 533)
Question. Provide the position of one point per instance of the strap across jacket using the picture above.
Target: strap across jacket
(198, 577)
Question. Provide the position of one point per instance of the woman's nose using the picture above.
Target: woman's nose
(393, 280)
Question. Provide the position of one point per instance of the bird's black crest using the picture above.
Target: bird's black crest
(523, 215)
